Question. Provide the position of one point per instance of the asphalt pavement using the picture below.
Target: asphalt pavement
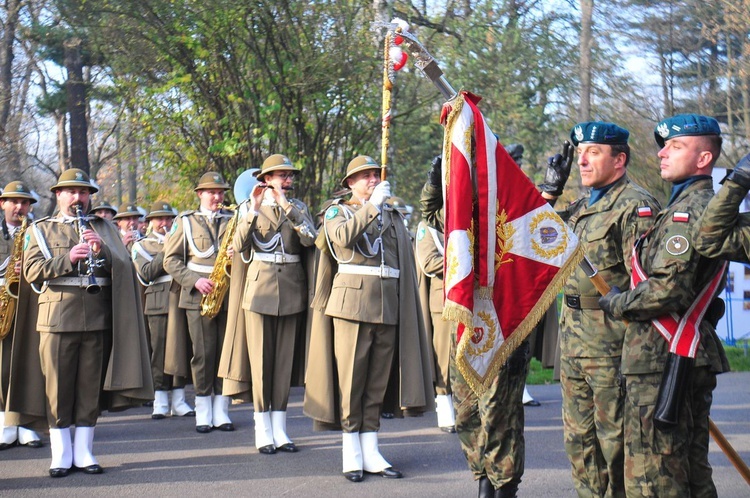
(146, 458)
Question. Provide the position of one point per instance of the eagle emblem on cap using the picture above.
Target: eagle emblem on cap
(663, 130)
(164, 207)
(19, 187)
(217, 178)
(79, 176)
(579, 133)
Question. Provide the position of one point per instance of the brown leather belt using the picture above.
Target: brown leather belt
(582, 302)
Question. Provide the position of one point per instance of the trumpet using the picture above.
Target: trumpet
(92, 287)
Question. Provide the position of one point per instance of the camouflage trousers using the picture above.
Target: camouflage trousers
(490, 426)
(673, 463)
(592, 403)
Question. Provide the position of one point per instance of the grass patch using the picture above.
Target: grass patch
(538, 375)
(739, 356)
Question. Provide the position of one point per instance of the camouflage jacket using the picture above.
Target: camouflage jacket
(431, 204)
(607, 230)
(676, 274)
(722, 231)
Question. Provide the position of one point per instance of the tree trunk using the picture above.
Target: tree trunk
(76, 94)
(62, 141)
(584, 48)
(13, 8)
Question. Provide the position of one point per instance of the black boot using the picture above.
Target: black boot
(486, 490)
(507, 490)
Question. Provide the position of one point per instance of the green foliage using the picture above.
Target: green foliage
(538, 374)
(739, 357)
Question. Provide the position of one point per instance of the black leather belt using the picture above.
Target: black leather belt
(577, 302)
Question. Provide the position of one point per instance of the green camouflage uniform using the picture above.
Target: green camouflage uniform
(722, 231)
(490, 427)
(591, 341)
(673, 463)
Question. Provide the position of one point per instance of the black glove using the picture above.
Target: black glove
(715, 311)
(558, 171)
(741, 173)
(605, 302)
(435, 175)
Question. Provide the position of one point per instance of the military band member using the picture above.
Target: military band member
(722, 231)
(429, 252)
(368, 295)
(664, 456)
(15, 201)
(127, 220)
(189, 256)
(78, 263)
(104, 209)
(490, 427)
(148, 256)
(275, 230)
(607, 220)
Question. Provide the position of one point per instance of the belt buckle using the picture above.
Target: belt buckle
(279, 258)
(573, 301)
(383, 271)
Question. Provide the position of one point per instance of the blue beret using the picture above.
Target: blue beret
(685, 124)
(599, 132)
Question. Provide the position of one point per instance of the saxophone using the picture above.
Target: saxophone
(211, 302)
(9, 291)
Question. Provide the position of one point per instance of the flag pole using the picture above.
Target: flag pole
(388, 79)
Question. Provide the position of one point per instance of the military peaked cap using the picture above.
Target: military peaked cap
(160, 208)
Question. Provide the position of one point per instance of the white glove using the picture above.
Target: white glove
(381, 192)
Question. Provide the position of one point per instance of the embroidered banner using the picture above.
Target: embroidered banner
(507, 253)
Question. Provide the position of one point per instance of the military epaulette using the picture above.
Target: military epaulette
(681, 217)
(186, 213)
(40, 220)
(645, 212)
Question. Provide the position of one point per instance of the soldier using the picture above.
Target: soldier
(722, 231)
(490, 427)
(607, 220)
(429, 255)
(276, 230)
(127, 220)
(189, 256)
(15, 201)
(665, 456)
(104, 209)
(148, 256)
(371, 299)
(80, 263)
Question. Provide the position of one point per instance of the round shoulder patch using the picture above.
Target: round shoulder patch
(421, 232)
(677, 245)
(332, 212)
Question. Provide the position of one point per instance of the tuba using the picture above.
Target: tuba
(9, 291)
(211, 302)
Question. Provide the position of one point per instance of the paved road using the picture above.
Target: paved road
(145, 457)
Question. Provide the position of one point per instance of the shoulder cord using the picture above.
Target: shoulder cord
(42, 243)
(188, 231)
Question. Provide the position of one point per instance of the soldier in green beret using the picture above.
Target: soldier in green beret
(608, 220)
(722, 231)
(15, 201)
(670, 369)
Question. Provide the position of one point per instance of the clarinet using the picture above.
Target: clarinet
(92, 287)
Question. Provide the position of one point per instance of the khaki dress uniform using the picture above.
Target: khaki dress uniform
(591, 341)
(275, 302)
(190, 254)
(148, 256)
(429, 255)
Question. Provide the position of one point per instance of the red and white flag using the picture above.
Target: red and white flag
(507, 253)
